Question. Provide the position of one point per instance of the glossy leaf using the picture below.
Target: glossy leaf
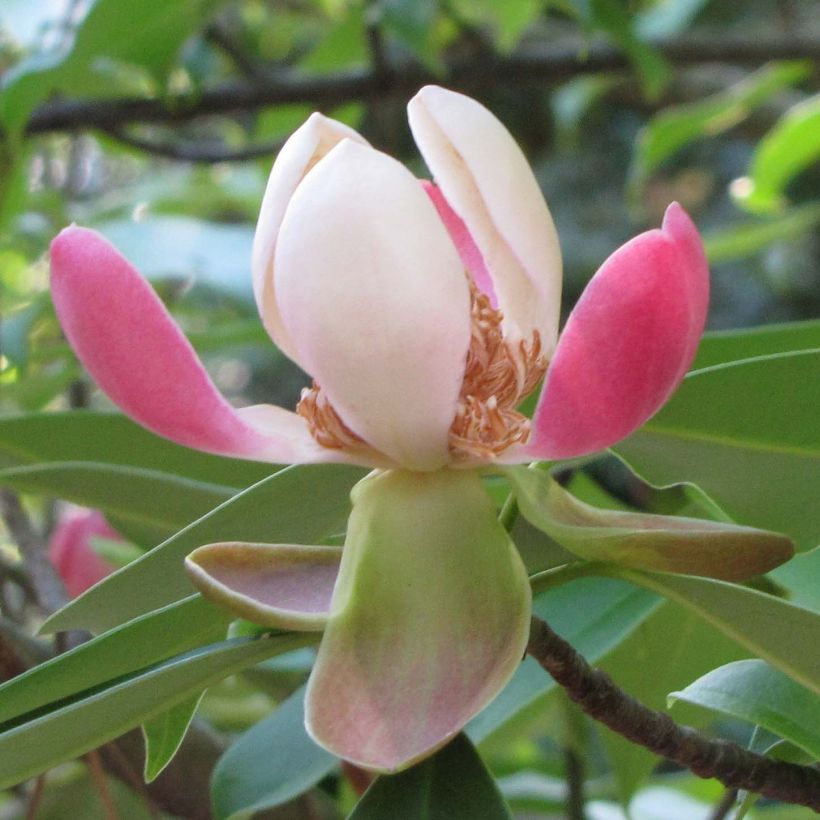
(110, 438)
(657, 542)
(720, 346)
(594, 615)
(789, 148)
(781, 633)
(271, 763)
(754, 691)
(122, 651)
(747, 432)
(149, 35)
(164, 735)
(454, 784)
(295, 505)
(72, 729)
(146, 505)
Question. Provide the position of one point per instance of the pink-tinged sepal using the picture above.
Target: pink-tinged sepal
(129, 343)
(281, 586)
(627, 343)
(429, 619)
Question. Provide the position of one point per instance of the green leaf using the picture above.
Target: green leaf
(296, 505)
(749, 238)
(149, 639)
(271, 763)
(789, 148)
(164, 735)
(657, 542)
(781, 633)
(594, 615)
(147, 505)
(72, 730)
(695, 647)
(752, 690)
(719, 346)
(676, 126)
(453, 784)
(148, 34)
(747, 432)
(109, 438)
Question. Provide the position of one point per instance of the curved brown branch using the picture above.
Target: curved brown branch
(735, 767)
(545, 63)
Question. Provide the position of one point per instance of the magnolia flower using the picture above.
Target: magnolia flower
(424, 313)
(71, 552)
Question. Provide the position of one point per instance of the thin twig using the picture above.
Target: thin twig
(36, 797)
(735, 767)
(51, 594)
(543, 63)
(727, 802)
(574, 776)
(98, 776)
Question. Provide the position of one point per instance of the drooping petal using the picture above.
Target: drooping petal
(306, 146)
(375, 299)
(486, 179)
(282, 586)
(665, 543)
(627, 343)
(129, 343)
(429, 619)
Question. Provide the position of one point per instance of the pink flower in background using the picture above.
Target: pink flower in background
(71, 552)
(424, 313)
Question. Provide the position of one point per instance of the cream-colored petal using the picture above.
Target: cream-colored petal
(375, 299)
(299, 154)
(487, 181)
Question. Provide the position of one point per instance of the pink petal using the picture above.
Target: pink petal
(627, 343)
(306, 146)
(282, 586)
(487, 181)
(428, 622)
(71, 553)
(467, 249)
(374, 297)
(129, 343)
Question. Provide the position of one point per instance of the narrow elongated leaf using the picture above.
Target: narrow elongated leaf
(110, 438)
(747, 432)
(270, 764)
(296, 505)
(720, 346)
(148, 506)
(781, 633)
(668, 543)
(594, 615)
(753, 690)
(164, 735)
(454, 784)
(151, 638)
(71, 730)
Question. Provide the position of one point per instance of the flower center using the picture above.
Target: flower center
(498, 374)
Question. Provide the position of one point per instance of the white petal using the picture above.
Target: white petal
(487, 181)
(299, 154)
(375, 299)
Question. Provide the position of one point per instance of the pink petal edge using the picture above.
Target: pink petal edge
(129, 343)
(627, 344)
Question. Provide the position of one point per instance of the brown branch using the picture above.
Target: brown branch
(544, 63)
(735, 767)
(196, 152)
